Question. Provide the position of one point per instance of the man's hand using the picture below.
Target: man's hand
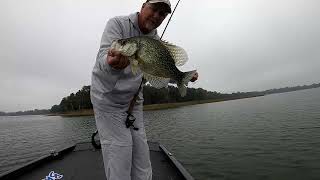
(195, 77)
(116, 60)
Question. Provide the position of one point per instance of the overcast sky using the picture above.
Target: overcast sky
(48, 48)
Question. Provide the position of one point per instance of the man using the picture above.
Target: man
(125, 150)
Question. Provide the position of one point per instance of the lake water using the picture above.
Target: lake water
(271, 137)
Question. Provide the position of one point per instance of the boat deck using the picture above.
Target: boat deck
(82, 161)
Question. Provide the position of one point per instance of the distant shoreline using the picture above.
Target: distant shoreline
(150, 107)
(89, 112)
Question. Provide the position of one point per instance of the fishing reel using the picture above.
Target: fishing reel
(130, 120)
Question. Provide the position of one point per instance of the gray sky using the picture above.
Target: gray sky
(48, 48)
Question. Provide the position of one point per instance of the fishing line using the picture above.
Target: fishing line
(169, 19)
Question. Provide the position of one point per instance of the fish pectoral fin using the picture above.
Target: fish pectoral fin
(155, 81)
(134, 66)
(178, 54)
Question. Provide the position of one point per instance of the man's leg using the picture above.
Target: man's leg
(141, 165)
(116, 144)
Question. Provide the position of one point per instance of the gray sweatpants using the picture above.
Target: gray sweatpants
(125, 151)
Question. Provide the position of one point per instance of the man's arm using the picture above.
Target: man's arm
(107, 58)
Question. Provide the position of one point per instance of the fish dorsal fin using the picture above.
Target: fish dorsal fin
(179, 55)
(155, 81)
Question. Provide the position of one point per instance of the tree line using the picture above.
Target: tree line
(151, 95)
(81, 99)
(28, 112)
(73, 102)
(288, 89)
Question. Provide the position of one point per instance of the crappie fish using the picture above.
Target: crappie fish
(157, 60)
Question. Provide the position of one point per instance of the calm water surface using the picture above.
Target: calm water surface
(271, 137)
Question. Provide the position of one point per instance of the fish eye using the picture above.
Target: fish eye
(123, 42)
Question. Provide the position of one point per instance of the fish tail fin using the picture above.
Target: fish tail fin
(182, 85)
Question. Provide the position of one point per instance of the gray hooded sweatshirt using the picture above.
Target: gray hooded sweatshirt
(112, 89)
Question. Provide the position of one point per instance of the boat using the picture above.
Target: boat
(83, 161)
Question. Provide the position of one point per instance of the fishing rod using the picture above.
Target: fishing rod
(169, 19)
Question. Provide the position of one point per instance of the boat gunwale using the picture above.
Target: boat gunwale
(176, 163)
(20, 170)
